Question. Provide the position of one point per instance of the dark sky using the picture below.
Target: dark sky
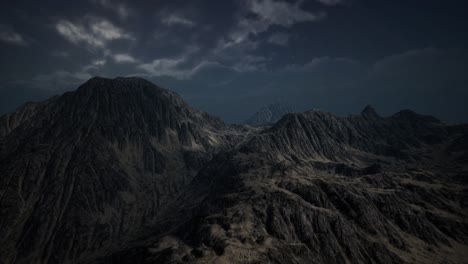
(231, 57)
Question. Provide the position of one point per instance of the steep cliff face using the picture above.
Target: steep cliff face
(87, 168)
(122, 171)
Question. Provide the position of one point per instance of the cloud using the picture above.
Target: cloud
(64, 79)
(120, 9)
(9, 36)
(250, 63)
(58, 80)
(95, 32)
(107, 31)
(96, 64)
(181, 68)
(266, 13)
(169, 67)
(234, 48)
(161, 66)
(272, 13)
(396, 61)
(281, 39)
(124, 58)
(320, 63)
(177, 20)
(331, 2)
(77, 33)
(281, 13)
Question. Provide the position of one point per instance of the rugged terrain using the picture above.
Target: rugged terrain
(122, 171)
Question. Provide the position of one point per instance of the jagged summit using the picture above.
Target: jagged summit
(369, 112)
(269, 114)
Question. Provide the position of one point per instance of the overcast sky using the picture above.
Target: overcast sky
(230, 57)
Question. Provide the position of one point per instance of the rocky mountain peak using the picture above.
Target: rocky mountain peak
(131, 102)
(269, 114)
(120, 88)
(119, 109)
(369, 112)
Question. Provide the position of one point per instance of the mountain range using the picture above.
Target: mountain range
(124, 171)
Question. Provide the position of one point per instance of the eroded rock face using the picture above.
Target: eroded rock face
(122, 171)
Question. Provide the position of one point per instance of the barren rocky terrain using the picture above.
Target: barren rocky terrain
(123, 171)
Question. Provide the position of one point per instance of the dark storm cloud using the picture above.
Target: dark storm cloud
(231, 57)
(331, 2)
(121, 9)
(279, 39)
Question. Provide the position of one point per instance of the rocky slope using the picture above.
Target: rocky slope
(122, 171)
(269, 114)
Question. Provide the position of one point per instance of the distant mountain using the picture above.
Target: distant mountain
(123, 171)
(269, 114)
